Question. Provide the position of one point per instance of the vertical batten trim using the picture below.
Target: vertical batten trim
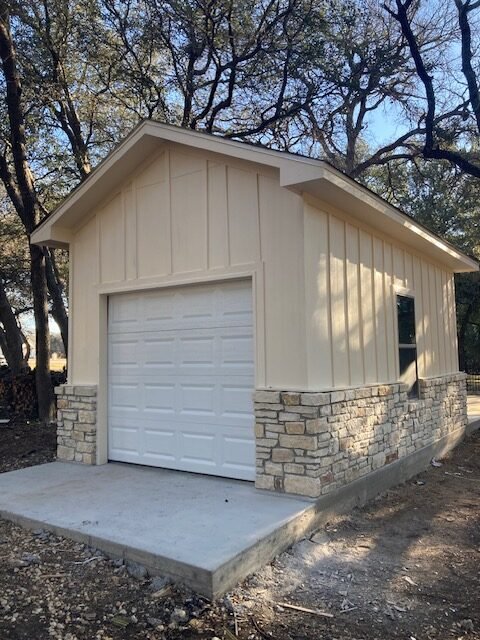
(257, 182)
(446, 322)
(135, 228)
(385, 315)
(207, 220)
(170, 215)
(70, 360)
(374, 304)
(345, 301)
(227, 213)
(124, 226)
(451, 315)
(329, 302)
(98, 232)
(360, 309)
(396, 362)
(135, 217)
(434, 339)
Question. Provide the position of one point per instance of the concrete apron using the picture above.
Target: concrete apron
(208, 533)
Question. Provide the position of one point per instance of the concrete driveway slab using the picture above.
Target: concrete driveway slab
(206, 532)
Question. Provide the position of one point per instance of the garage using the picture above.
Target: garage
(181, 378)
(353, 366)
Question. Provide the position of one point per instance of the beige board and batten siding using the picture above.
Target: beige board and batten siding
(352, 276)
(324, 285)
(188, 216)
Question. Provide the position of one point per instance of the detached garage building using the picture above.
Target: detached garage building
(251, 314)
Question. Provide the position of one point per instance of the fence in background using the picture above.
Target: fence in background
(473, 384)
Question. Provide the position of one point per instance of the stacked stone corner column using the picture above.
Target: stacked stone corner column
(292, 434)
(77, 423)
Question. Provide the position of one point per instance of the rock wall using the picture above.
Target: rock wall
(77, 423)
(312, 443)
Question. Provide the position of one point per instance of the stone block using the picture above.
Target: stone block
(270, 415)
(302, 485)
(317, 426)
(85, 447)
(69, 414)
(297, 469)
(290, 398)
(285, 416)
(274, 468)
(378, 460)
(65, 453)
(264, 482)
(259, 430)
(308, 443)
(87, 391)
(315, 399)
(265, 442)
(337, 396)
(87, 417)
(266, 396)
(295, 428)
(282, 455)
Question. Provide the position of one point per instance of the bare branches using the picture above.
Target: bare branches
(433, 147)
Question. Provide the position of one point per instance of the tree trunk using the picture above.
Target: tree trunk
(21, 190)
(461, 335)
(46, 404)
(55, 289)
(12, 340)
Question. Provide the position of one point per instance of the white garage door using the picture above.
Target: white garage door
(181, 377)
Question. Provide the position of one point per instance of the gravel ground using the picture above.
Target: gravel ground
(406, 566)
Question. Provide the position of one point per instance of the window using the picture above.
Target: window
(407, 344)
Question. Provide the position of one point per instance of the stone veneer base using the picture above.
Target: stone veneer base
(77, 423)
(312, 444)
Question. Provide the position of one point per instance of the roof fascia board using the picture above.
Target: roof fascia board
(296, 173)
(359, 203)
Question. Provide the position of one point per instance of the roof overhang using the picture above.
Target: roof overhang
(303, 175)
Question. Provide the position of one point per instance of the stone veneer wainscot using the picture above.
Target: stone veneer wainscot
(312, 443)
(77, 423)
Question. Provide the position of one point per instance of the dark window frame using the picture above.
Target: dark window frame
(411, 346)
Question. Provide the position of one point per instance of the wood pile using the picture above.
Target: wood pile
(18, 398)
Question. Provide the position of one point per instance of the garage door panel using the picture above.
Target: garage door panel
(124, 352)
(197, 399)
(124, 439)
(160, 443)
(235, 450)
(197, 446)
(158, 352)
(235, 304)
(236, 350)
(159, 398)
(125, 316)
(229, 351)
(236, 401)
(158, 312)
(197, 351)
(185, 399)
(181, 379)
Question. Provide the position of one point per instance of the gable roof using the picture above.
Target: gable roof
(300, 174)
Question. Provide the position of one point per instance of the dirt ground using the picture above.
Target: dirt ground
(406, 566)
(26, 444)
